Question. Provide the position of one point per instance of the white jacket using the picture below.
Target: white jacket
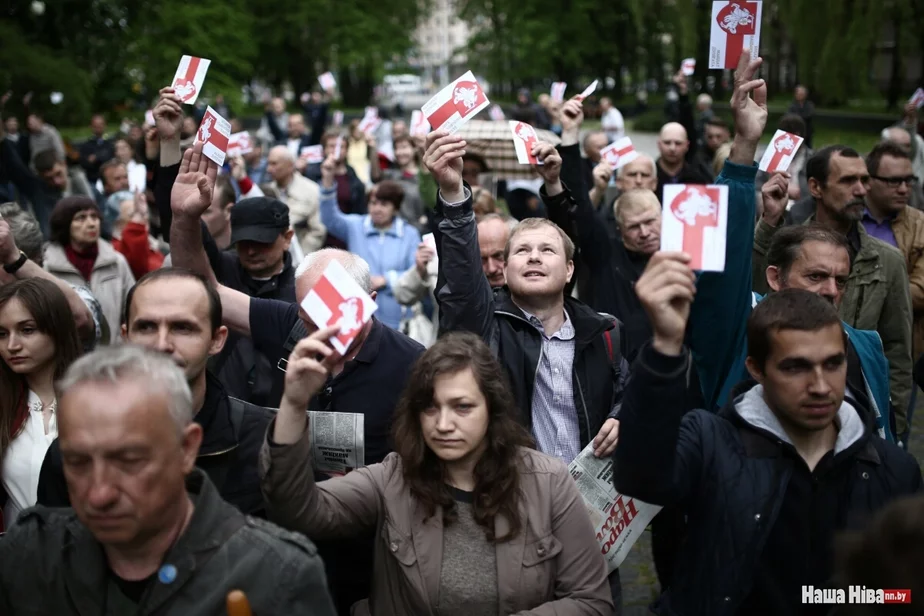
(304, 200)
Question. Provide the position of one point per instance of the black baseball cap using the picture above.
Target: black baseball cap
(258, 219)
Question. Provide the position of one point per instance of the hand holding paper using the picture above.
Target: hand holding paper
(587, 91)
(214, 133)
(666, 290)
(524, 138)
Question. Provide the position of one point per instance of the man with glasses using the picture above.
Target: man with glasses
(877, 294)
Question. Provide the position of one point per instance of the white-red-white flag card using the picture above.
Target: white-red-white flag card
(496, 113)
(190, 75)
(688, 66)
(918, 98)
(735, 28)
(312, 154)
(455, 104)
(419, 125)
(336, 299)
(524, 138)
(239, 144)
(558, 91)
(694, 220)
(781, 151)
(619, 153)
(214, 134)
(588, 90)
(327, 81)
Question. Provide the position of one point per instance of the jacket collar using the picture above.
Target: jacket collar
(588, 324)
(56, 258)
(396, 229)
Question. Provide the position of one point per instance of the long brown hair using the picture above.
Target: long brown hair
(497, 473)
(52, 315)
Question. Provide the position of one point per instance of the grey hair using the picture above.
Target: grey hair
(654, 167)
(26, 231)
(128, 362)
(510, 221)
(284, 152)
(704, 99)
(355, 266)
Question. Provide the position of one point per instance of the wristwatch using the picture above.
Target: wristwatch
(12, 268)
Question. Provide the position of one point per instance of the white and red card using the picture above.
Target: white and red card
(781, 151)
(735, 28)
(214, 134)
(149, 117)
(190, 75)
(239, 144)
(337, 119)
(918, 98)
(312, 154)
(419, 125)
(496, 113)
(588, 91)
(558, 91)
(694, 221)
(524, 138)
(688, 66)
(370, 120)
(455, 104)
(327, 81)
(336, 299)
(619, 153)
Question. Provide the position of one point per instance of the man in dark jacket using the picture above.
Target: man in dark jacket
(174, 311)
(768, 482)
(148, 532)
(96, 150)
(351, 192)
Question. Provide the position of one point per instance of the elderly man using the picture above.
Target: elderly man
(640, 173)
(301, 195)
(594, 142)
(148, 532)
(493, 233)
(298, 136)
(672, 164)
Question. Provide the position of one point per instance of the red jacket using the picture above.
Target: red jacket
(136, 249)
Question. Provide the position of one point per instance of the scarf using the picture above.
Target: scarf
(84, 260)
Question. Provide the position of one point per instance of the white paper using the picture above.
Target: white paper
(618, 520)
(419, 125)
(694, 220)
(496, 113)
(455, 104)
(190, 75)
(524, 137)
(688, 66)
(214, 133)
(149, 117)
(338, 442)
(588, 90)
(312, 154)
(336, 299)
(735, 27)
(337, 147)
(558, 91)
(619, 153)
(918, 98)
(781, 152)
(239, 144)
(327, 81)
(430, 240)
(337, 119)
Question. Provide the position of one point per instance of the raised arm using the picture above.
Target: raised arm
(465, 297)
(168, 117)
(337, 223)
(723, 299)
(191, 196)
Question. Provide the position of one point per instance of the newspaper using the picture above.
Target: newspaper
(338, 443)
(618, 520)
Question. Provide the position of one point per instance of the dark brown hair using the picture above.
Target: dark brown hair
(786, 245)
(52, 315)
(497, 473)
(388, 191)
(63, 214)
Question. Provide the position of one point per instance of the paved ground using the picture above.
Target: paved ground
(639, 580)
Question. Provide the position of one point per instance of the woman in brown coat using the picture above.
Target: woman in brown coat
(468, 519)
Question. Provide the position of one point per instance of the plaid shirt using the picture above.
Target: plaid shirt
(555, 420)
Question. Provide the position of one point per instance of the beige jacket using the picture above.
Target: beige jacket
(304, 200)
(553, 567)
(110, 280)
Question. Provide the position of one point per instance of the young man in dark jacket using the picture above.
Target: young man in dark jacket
(148, 533)
(176, 312)
(768, 482)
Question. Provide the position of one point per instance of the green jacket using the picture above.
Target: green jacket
(877, 298)
(50, 563)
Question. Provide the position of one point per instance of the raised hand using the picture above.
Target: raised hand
(192, 191)
(666, 290)
(443, 159)
(328, 169)
(749, 101)
(309, 365)
(775, 195)
(602, 174)
(9, 252)
(422, 259)
(572, 115)
(550, 169)
(168, 115)
(680, 80)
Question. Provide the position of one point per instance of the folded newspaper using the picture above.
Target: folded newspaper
(618, 520)
(338, 443)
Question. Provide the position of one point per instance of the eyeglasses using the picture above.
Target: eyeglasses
(910, 180)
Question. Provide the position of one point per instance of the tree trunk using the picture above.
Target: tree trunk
(896, 81)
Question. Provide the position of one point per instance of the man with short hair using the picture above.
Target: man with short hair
(297, 135)
(175, 312)
(672, 164)
(148, 532)
(303, 196)
(217, 217)
(715, 134)
(96, 150)
(767, 483)
(594, 142)
(114, 178)
(43, 136)
(611, 120)
(876, 296)
(351, 192)
(913, 146)
(805, 109)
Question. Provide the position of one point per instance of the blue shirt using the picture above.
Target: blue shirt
(389, 252)
(880, 230)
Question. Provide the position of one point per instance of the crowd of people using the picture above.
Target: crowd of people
(158, 368)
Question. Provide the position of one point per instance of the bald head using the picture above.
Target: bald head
(638, 213)
(673, 143)
(311, 268)
(593, 143)
(280, 164)
(640, 173)
(493, 233)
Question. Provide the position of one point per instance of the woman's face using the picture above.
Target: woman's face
(123, 151)
(85, 228)
(381, 212)
(404, 153)
(455, 425)
(23, 347)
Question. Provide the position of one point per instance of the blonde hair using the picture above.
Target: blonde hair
(531, 224)
(634, 200)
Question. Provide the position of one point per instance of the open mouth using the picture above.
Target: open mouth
(533, 275)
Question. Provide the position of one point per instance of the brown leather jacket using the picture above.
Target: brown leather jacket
(553, 567)
(908, 228)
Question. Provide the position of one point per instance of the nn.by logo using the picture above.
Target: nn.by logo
(855, 594)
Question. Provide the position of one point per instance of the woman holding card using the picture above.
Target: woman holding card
(386, 241)
(468, 518)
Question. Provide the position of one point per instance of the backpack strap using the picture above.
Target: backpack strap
(298, 331)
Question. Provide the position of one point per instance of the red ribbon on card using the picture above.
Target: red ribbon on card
(466, 97)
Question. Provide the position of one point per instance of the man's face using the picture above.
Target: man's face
(278, 106)
(801, 94)
(641, 228)
(605, 104)
(536, 263)
(12, 125)
(804, 376)
(252, 158)
(471, 169)
(296, 126)
(843, 196)
(171, 315)
(278, 166)
(821, 268)
(886, 196)
(330, 147)
(189, 127)
(673, 145)
(492, 239)
(399, 129)
(98, 125)
(115, 179)
(544, 100)
(218, 215)
(637, 174)
(715, 137)
(264, 260)
(124, 462)
(404, 153)
(56, 177)
(34, 123)
(592, 146)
